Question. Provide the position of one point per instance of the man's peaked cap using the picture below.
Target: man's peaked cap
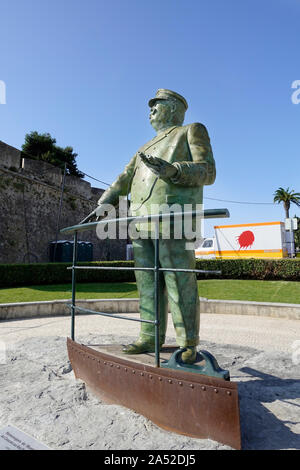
(164, 94)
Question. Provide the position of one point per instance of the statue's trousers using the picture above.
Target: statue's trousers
(178, 289)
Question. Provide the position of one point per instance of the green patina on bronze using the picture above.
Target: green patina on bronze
(170, 169)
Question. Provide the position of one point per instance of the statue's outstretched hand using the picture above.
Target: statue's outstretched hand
(160, 167)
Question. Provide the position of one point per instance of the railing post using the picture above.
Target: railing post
(156, 295)
(73, 287)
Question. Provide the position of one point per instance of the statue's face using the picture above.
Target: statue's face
(161, 114)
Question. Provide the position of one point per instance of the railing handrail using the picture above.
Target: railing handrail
(206, 214)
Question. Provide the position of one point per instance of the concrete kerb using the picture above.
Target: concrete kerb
(59, 307)
(263, 309)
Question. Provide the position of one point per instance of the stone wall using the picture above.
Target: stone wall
(9, 156)
(30, 194)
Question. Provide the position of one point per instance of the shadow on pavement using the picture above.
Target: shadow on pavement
(260, 428)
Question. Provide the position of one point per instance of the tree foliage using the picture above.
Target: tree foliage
(287, 196)
(43, 147)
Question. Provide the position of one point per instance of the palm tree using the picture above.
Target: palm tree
(286, 196)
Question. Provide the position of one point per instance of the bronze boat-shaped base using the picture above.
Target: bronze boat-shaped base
(182, 402)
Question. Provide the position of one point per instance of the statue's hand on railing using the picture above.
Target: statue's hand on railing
(90, 218)
(94, 216)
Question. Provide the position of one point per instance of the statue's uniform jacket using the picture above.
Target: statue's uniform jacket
(188, 148)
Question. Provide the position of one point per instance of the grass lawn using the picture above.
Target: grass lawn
(259, 291)
(63, 291)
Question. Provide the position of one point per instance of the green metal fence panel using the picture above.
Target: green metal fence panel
(211, 213)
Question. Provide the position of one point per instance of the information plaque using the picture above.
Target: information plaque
(12, 438)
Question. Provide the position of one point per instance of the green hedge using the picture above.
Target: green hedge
(262, 269)
(57, 273)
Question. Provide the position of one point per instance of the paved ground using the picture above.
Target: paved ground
(39, 395)
(269, 334)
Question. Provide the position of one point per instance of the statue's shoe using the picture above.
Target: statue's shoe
(140, 347)
(189, 356)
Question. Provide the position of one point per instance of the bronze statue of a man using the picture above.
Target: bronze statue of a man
(179, 165)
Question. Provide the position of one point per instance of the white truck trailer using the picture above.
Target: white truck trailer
(257, 240)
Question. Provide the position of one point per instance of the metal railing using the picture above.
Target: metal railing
(156, 219)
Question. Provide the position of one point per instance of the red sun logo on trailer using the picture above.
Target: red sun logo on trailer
(246, 239)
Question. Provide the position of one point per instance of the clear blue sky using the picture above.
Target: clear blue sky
(84, 71)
